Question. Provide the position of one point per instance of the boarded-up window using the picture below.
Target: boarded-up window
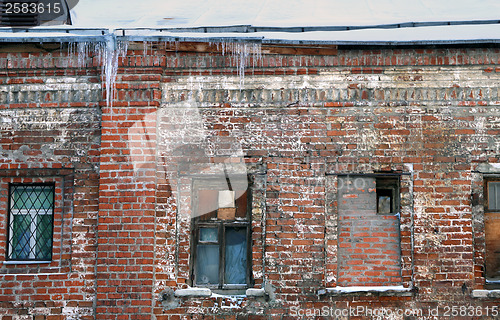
(492, 229)
(369, 241)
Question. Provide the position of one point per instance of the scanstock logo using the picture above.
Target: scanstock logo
(31, 13)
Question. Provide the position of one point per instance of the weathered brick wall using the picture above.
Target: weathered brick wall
(294, 123)
(427, 113)
(50, 132)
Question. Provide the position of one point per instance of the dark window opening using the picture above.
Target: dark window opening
(31, 212)
(387, 195)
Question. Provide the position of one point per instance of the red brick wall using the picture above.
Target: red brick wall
(50, 132)
(296, 122)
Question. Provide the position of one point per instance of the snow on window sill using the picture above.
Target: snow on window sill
(193, 292)
(25, 262)
(257, 293)
(368, 290)
(486, 293)
(207, 293)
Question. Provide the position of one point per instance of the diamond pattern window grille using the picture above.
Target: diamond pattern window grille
(31, 212)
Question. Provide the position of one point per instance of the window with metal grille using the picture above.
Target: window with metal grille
(31, 212)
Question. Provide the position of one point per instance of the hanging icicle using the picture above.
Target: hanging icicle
(107, 53)
(242, 55)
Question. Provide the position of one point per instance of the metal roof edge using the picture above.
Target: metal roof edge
(264, 41)
(299, 29)
(75, 34)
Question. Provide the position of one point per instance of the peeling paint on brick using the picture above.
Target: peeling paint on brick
(126, 234)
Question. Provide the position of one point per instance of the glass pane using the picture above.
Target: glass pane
(494, 195)
(21, 237)
(44, 237)
(32, 197)
(384, 204)
(207, 264)
(236, 256)
(31, 222)
(209, 234)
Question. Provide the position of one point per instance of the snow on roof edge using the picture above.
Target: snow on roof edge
(421, 35)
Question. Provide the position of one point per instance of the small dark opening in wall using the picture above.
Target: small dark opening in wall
(387, 195)
(384, 201)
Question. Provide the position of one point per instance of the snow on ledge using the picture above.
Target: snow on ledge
(193, 292)
(26, 262)
(253, 292)
(367, 289)
(486, 293)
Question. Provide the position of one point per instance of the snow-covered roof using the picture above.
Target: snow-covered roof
(327, 21)
(276, 13)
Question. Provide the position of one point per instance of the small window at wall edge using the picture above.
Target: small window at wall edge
(30, 222)
(492, 194)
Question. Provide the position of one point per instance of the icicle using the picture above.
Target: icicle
(241, 52)
(145, 48)
(83, 49)
(71, 53)
(108, 54)
(112, 53)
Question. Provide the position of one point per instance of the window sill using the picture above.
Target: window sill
(486, 294)
(26, 262)
(207, 293)
(368, 291)
(256, 293)
(193, 292)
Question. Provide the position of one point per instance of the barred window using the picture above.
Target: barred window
(31, 212)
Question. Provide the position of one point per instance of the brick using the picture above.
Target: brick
(123, 202)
